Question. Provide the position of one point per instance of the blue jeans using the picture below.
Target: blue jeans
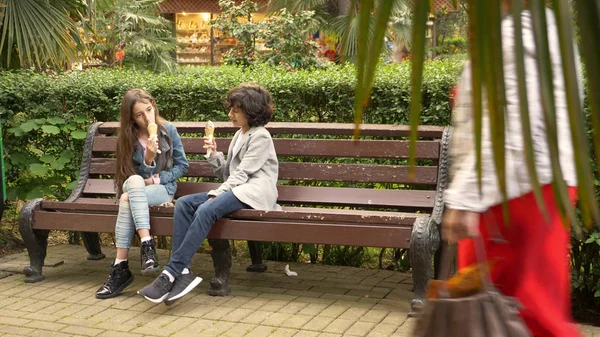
(134, 214)
(194, 217)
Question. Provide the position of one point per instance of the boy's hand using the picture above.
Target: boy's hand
(210, 144)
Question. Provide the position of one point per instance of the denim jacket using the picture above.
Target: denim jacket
(174, 168)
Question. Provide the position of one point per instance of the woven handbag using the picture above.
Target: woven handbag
(482, 311)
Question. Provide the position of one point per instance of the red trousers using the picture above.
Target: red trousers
(532, 264)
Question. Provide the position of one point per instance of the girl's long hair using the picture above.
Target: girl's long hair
(127, 137)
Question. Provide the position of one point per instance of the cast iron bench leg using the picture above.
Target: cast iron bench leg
(257, 265)
(424, 241)
(221, 255)
(35, 240)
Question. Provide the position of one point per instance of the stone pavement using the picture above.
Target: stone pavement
(320, 301)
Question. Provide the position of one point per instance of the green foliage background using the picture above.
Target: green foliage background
(46, 115)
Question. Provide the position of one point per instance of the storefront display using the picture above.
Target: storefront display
(193, 38)
(200, 44)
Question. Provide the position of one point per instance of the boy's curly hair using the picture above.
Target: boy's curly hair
(254, 100)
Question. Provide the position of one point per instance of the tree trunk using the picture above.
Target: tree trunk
(344, 7)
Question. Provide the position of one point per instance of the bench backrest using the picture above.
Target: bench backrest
(333, 169)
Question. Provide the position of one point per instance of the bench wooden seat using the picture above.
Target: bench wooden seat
(333, 190)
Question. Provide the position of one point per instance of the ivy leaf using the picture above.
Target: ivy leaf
(40, 120)
(51, 129)
(69, 127)
(18, 158)
(16, 131)
(65, 156)
(35, 193)
(80, 119)
(78, 134)
(28, 126)
(70, 186)
(56, 120)
(57, 165)
(38, 170)
(47, 158)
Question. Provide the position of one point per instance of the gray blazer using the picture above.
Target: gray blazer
(251, 173)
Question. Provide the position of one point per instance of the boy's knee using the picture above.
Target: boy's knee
(185, 201)
(205, 211)
(124, 197)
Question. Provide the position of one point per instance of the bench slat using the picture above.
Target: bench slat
(275, 128)
(424, 175)
(332, 148)
(299, 232)
(309, 195)
(89, 205)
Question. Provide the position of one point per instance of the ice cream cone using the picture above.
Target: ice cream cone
(153, 132)
(209, 130)
(152, 129)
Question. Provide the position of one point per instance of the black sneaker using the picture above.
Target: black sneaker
(158, 290)
(182, 286)
(148, 258)
(120, 277)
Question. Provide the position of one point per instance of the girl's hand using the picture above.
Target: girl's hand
(210, 143)
(458, 224)
(149, 181)
(151, 150)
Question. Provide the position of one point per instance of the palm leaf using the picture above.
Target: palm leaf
(494, 84)
(38, 34)
(382, 15)
(524, 106)
(476, 55)
(589, 17)
(576, 118)
(418, 44)
(348, 29)
(295, 5)
(402, 23)
(544, 65)
(361, 93)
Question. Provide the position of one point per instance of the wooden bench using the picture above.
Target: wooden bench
(407, 214)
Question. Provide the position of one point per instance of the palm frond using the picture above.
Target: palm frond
(524, 106)
(295, 5)
(38, 34)
(589, 17)
(575, 108)
(547, 93)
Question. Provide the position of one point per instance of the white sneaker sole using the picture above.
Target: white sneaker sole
(157, 300)
(187, 289)
(151, 271)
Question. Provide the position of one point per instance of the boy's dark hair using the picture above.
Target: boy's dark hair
(254, 100)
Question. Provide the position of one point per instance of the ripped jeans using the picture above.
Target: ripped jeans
(134, 214)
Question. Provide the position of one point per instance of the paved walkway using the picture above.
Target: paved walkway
(320, 301)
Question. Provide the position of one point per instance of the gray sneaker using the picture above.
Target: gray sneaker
(182, 286)
(158, 290)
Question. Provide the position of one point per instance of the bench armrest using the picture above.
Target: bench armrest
(84, 171)
(442, 182)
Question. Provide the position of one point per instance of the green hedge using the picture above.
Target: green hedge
(47, 114)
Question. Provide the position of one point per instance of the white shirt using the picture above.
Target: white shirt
(463, 191)
(238, 143)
